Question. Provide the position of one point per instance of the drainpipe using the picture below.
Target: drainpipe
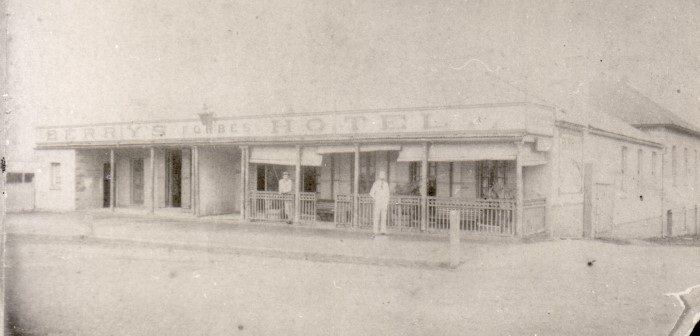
(663, 193)
(519, 227)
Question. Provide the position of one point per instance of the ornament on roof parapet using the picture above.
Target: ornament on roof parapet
(206, 116)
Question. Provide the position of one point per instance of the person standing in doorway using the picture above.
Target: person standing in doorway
(286, 188)
(380, 194)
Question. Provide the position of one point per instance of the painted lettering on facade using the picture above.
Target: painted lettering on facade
(350, 124)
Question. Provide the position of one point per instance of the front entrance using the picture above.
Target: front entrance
(106, 190)
(173, 173)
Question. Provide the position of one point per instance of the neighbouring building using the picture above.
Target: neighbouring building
(681, 193)
(510, 165)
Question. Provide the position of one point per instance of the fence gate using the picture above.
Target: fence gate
(604, 208)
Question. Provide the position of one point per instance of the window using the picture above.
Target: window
(674, 166)
(492, 179)
(55, 176)
(414, 174)
(653, 163)
(28, 177)
(640, 168)
(14, 177)
(623, 167)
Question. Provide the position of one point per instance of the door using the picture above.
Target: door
(106, 191)
(604, 210)
(137, 181)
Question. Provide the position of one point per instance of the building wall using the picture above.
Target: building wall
(632, 194)
(566, 191)
(89, 178)
(219, 180)
(681, 191)
(535, 182)
(56, 198)
(637, 187)
(20, 196)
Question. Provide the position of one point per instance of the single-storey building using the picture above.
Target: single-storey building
(513, 165)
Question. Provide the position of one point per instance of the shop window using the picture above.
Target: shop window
(492, 179)
(55, 176)
(14, 177)
(28, 177)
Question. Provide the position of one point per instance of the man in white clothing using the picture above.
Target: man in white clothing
(286, 187)
(380, 194)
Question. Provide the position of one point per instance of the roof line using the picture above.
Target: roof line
(670, 113)
(693, 132)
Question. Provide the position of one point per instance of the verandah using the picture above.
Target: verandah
(428, 182)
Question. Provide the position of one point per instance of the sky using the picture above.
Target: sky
(80, 61)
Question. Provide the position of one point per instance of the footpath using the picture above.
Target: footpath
(325, 244)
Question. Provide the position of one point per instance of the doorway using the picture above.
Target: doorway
(106, 190)
(604, 210)
(137, 181)
(173, 173)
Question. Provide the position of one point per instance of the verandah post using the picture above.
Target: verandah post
(355, 188)
(297, 189)
(244, 182)
(152, 185)
(195, 180)
(424, 188)
(519, 190)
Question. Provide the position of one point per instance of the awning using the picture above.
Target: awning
(284, 155)
(410, 153)
(351, 148)
(459, 152)
(472, 152)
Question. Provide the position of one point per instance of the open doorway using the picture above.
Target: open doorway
(106, 191)
(173, 174)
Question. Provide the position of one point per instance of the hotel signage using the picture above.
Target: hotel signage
(304, 126)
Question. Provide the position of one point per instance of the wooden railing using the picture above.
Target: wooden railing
(404, 213)
(343, 210)
(476, 215)
(307, 206)
(488, 216)
(534, 216)
(271, 206)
